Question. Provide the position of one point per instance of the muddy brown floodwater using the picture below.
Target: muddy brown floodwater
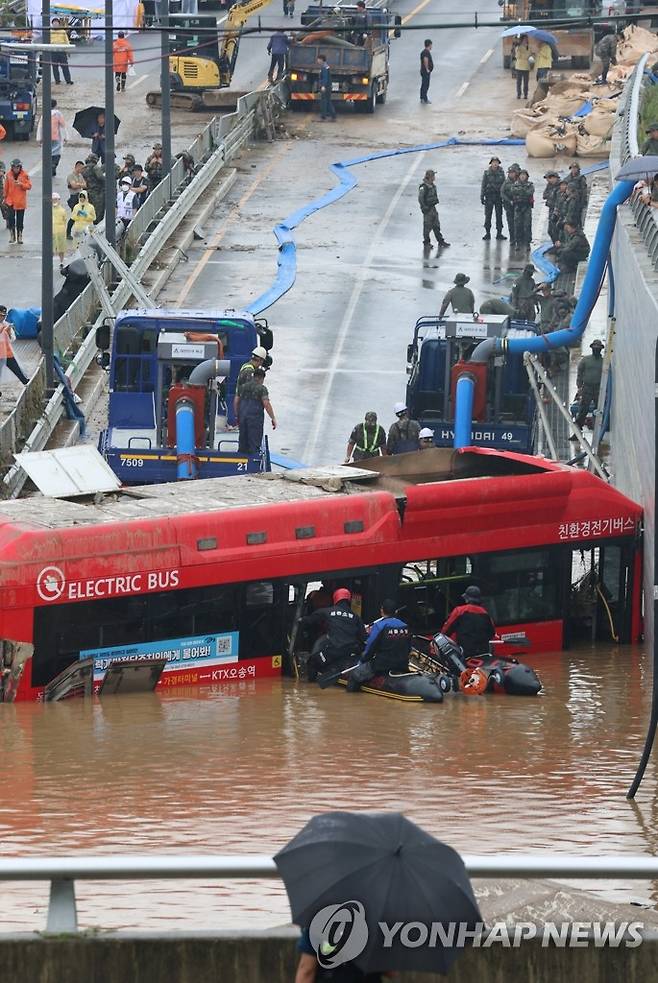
(240, 771)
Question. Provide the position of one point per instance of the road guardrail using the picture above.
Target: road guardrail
(63, 872)
(75, 331)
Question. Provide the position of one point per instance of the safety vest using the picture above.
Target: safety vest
(369, 449)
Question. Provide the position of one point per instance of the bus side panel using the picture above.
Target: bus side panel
(245, 669)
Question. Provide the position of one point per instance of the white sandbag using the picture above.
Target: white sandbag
(599, 123)
(593, 146)
(544, 143)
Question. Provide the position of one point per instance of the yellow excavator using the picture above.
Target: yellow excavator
(200, 66)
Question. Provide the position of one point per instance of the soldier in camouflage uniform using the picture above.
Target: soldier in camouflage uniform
(460, 296)
(428, 199)
(560, 209)
(578, 182)
(524, 295)
(606, 50)
(523, 197)
(94, 175)
(495, 306)
(492, 182)
(550, 197)
(650, 146)
(506, 196)
(572, 249)
(572, 207)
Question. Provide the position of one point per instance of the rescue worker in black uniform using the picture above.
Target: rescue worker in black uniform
(344, 637)
(387, 649)
(470, 624)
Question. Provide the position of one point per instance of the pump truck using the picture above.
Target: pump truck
(503, 406)
(173, 378)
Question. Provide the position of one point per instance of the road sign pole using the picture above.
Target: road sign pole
(47, 306)
(110, 181)
(165, 86)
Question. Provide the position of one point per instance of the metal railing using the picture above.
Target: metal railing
(75, 330)
(628, 146)
(63, 872)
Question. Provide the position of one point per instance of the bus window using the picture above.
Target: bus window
(261, 620)
(520, 586)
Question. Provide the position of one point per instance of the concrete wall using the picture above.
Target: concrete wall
(271, 958)
(632, 430)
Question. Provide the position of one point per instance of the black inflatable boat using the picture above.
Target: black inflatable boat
(488, 673)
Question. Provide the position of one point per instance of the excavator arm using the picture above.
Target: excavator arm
(228, 53)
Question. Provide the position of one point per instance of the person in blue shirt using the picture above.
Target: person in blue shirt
(327, 110)
(278, 49)
(387, 649)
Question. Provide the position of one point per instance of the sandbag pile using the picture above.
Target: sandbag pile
(549, 126)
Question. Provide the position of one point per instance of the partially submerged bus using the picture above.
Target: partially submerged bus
(215, 575)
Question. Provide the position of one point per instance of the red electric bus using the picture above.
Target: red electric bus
(213, 574)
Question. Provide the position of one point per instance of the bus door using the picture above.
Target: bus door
(602, 591)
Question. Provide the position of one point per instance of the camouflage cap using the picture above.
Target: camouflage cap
(461, 278)
(651, 127)
(551, 174)
(514, 167)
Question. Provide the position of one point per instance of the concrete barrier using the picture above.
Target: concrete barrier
(271, 957)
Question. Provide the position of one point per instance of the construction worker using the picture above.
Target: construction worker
(366, 440)
(460, 297)
(588, 380)
(404, 434)
(251, 404)
(426, 438)
(246, 373)
(344, 634)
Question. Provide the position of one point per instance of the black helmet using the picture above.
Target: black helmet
(472, 595)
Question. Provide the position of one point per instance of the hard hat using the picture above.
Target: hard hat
(426, 434)
(342, 594)
(472, 594)
(16, 162)
(399, 408)
(259, 352)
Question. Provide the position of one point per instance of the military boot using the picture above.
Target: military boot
(19, 237)
(12, 235)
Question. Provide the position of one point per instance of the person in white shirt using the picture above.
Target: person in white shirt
(126, 201)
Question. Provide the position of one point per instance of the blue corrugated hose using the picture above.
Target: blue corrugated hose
(287, 257)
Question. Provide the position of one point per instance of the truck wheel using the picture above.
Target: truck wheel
(371, 101)
(381, 98)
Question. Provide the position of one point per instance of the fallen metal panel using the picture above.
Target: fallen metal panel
(125, 676)
(69, 471)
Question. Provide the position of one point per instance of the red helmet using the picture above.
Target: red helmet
(342, 594)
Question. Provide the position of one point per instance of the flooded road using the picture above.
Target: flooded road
(240, 772)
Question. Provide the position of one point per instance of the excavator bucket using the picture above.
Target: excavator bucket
(224, 99)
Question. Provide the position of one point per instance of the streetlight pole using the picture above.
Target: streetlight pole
(165, 86)
(110, 181)
(47, 306)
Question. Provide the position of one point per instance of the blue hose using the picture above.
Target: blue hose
(464, 395)
(596, 268)
(186, 466)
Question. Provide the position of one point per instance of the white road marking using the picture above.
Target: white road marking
(486, 56)
(462, 89)
(136, 82)
(363, 276)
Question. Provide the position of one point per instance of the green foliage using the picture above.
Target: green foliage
(649, 111)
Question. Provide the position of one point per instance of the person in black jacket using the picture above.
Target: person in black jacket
(470, 624)
(387, 649)
(344, 638)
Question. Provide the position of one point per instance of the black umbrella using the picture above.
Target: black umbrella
(345, 873)
(86, 121)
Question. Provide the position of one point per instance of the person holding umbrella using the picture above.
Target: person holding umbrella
(98, 138)
(543, 61)
(522, 66)
(348, 874)
(17, 185)
(91, 123)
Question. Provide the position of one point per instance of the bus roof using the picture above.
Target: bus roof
(165, 314)
(396, 475)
